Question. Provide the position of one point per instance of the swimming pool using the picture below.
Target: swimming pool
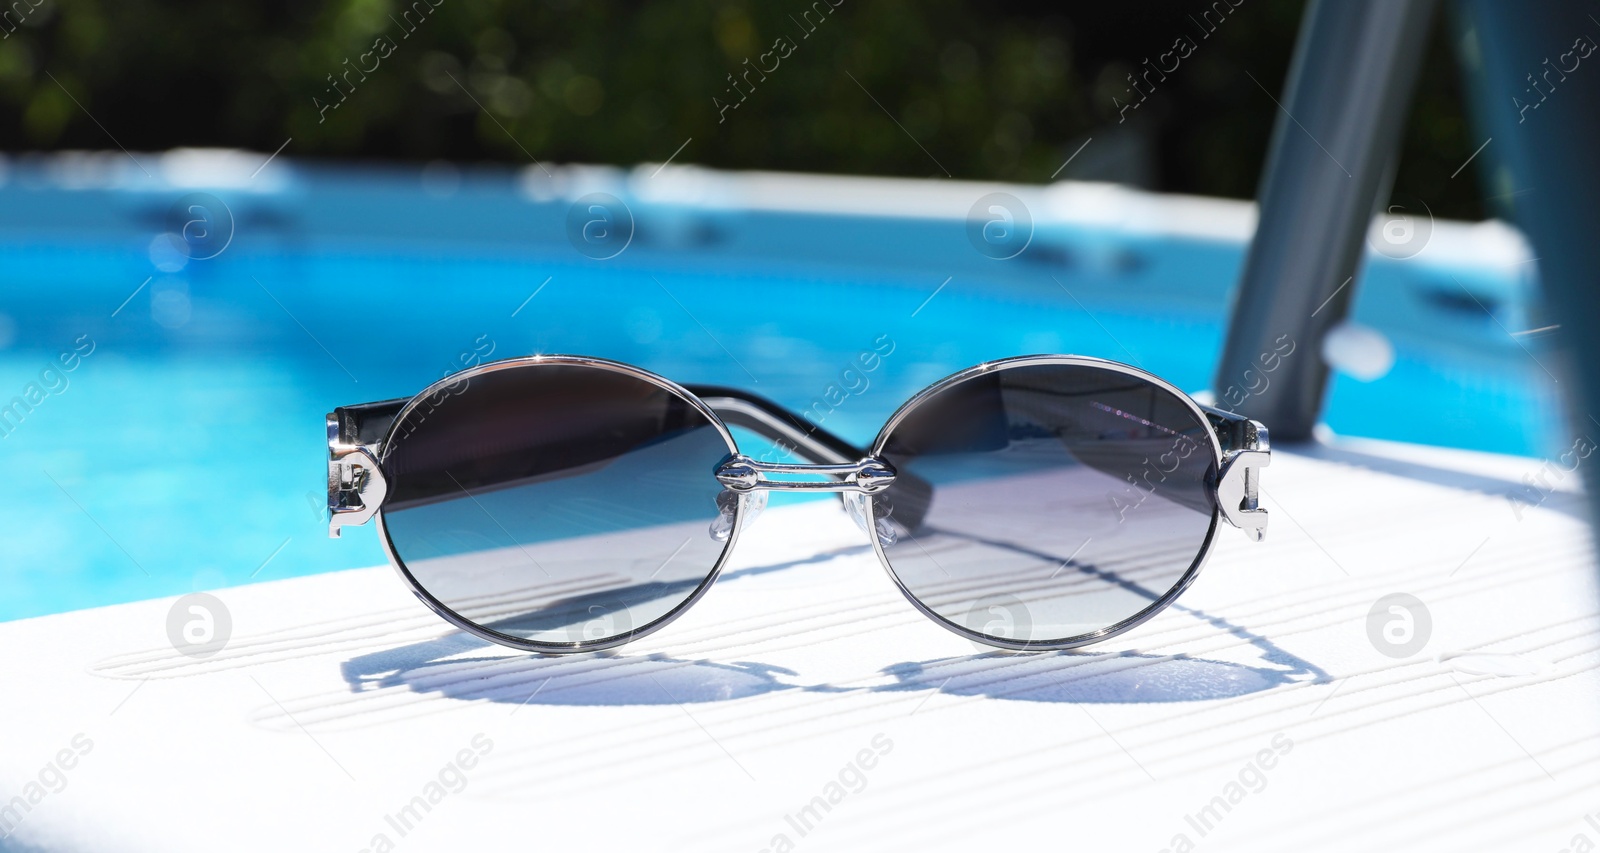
(184, 450)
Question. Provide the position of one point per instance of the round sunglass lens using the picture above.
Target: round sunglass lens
(1067, 499)
(556, 504)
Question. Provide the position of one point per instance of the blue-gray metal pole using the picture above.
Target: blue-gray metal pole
(1533, 74)
(1330, 165)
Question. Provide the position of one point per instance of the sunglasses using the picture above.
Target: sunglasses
(567, 504)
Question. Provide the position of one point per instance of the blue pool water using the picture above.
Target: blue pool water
(187, 447)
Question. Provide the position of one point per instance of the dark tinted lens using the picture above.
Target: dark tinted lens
(556, 503)
(1066, 499)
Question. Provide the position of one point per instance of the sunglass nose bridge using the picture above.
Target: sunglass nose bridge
(740, 473)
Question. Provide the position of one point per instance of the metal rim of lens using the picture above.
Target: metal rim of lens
(443, 610)
(1096, 636)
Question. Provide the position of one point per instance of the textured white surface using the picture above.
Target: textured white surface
(339, 699)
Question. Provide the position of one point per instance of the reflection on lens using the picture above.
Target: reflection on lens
(555, 503)
(1075, 496)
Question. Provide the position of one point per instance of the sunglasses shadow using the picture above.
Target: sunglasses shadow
(598, 678)
(1080, 677)
(445, 668)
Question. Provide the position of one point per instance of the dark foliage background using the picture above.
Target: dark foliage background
(995, 91)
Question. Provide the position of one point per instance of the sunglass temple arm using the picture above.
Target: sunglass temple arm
(356, 485)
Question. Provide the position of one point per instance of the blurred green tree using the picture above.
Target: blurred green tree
(999, 91)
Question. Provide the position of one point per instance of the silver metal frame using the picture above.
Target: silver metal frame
(743, 474)
(464, 624)
(357, 488)
(353, 473)
(1028, 361)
